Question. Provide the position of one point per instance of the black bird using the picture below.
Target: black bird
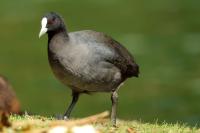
(87, 61)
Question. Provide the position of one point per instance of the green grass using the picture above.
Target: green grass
(138, 127)
(39, 123)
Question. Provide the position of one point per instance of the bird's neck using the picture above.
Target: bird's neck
(61, 32)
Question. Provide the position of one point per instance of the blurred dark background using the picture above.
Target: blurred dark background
(163, 35)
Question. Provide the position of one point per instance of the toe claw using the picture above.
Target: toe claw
(65, 118)
(61, 117)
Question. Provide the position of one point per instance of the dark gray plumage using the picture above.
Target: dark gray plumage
(87, 61)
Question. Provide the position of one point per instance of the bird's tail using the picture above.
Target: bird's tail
(132, 70)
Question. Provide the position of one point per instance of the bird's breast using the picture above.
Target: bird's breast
(68, 64)
(81, 67)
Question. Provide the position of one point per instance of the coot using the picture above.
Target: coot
(87, 61)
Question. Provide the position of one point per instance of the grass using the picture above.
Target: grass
(33, 124)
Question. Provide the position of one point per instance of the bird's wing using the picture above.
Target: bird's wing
(121, 58)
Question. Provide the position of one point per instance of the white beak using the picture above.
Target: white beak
(43, 27)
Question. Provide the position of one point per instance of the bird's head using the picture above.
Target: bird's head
(51, 22)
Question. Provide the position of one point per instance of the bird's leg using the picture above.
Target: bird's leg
(75, 97)
(114, 99)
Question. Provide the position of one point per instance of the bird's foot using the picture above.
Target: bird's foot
(61, 117)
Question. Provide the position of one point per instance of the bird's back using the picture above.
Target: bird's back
(111, 50)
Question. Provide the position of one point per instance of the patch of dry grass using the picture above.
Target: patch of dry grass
(100, 122)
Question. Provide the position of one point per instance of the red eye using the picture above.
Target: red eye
(53, 19)
(50, 21)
